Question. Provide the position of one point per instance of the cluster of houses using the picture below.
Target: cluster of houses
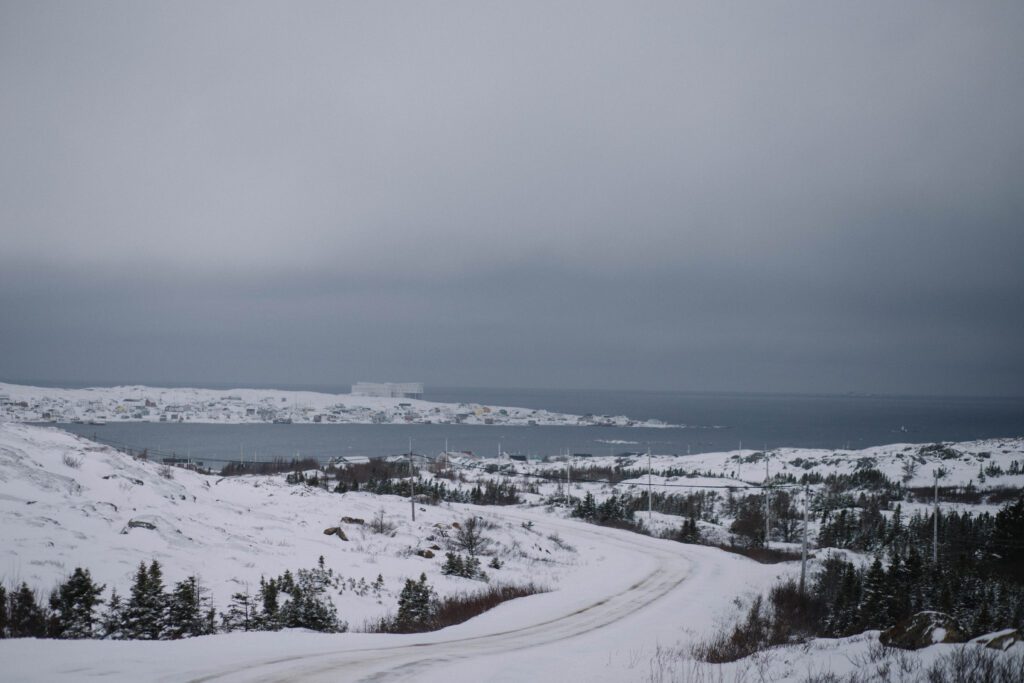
(146, 404)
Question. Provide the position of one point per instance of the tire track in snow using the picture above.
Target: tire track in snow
(410, 661)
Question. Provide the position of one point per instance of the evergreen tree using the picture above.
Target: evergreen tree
(145, 614)
(914, 570)
(874, 606)
(471, 568)
(688, 532)
(270, 614)
(415, 606)
(586, 508)
(189, 610)
(73, 606)
(3, 612)
(241, 614)
(310, 606)
(112, 623)
(898, 607)
(1008, 538)
(26, 617)
(452, 565)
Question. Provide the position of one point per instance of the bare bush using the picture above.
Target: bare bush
(379, 524)
(965, 664)
(789, 617)
(166, 471)
(71, 461)
(974, 663)
(562, 545)
(456, 609)
(469, 537)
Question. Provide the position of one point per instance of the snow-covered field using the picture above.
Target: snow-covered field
(20, 403)
(620, 606)
(961, 462)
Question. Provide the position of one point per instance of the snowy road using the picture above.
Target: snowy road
(428, 659)
(642, 592)
(631, 594)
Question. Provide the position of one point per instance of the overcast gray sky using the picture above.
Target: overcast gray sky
(816, 197)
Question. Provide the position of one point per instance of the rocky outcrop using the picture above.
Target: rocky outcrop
(353, 520)
(335, 531)
(921, 630)
(1000, 640)
(423, 552)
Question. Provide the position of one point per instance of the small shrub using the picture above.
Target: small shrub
(71, 461)
(459, 608)
(166, 471)
(973, 663)
(562, 545)
(447, 611)
(467, 567)
(760, 554)
(470, 538)
(379, 524)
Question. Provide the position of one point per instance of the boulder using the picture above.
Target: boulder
(139, 524)
(1000, 640)
(335, 531)
(353, 520)
(429, 554)
(921, 630)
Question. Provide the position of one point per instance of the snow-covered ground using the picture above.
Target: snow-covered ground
(20, 403)
(620, 606)
(961, 462)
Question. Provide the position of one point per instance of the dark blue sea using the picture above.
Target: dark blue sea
(716, 421)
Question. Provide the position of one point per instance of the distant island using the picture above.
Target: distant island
(98, 405)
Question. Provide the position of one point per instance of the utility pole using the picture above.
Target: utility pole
(935, 533)
(568, 475)
(767, 495)
(803, 554)
(412, 486)
(650, 499)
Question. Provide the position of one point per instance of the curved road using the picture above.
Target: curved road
(648, 599)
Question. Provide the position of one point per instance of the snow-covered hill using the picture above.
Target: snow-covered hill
(67, 502)
(986, 463)
(622, 606)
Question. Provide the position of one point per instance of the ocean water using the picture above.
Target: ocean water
(714, 422)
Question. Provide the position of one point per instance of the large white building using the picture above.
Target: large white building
(388, 389)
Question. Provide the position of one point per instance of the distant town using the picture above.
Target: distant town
(369, 403)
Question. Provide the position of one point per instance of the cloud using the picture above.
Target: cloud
(728, 196)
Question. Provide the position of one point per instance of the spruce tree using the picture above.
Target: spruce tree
(873, 607)
(452, 565)
(73, 606)
(26, 618)
(899, 606)
(241, 614)
(112, 623)
(414, 606)
(188, 612)
(914, 568)
(270, 614)
(3, 612)
(145, 615)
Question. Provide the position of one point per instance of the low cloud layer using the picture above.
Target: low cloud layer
(741, 197)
